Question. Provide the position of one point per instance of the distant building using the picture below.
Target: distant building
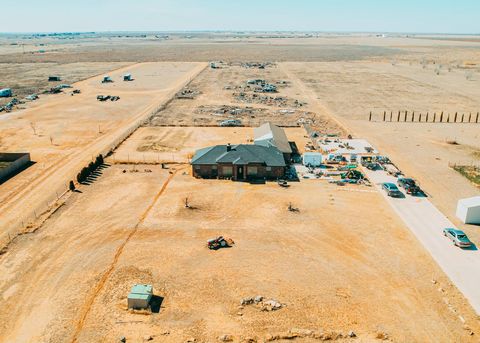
(127, 77)
(107, 79)
(239, 162)
(5, 93)
(54, 78)
(270, 135)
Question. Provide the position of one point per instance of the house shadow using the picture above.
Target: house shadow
(156, 303)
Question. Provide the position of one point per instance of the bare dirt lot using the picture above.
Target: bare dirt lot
(63, 133)
(32, 78)
(333, 273)
(219, 100)
(178, 144)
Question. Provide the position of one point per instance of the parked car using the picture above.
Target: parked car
(409, 185)
(231, 122)
(458, 237)
(392, 190)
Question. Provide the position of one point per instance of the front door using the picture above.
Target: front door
(240, 172)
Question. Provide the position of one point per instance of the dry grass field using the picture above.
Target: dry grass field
(345, 262)
(63, 133)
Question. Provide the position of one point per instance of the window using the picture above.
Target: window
(214, 167)
(197, 167)
(251, 170)
(227, 171)
(269, 169)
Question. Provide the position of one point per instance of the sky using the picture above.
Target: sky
(416, 16)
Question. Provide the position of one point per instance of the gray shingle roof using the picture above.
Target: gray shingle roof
(240, 154)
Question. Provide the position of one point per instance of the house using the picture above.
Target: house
(468, 210)
(54, 78)
(140, 296)
(270, 135)
(239, 162)
(5, 93)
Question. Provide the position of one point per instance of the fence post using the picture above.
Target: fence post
(426, 120)
(384, 114)
(370, 117)
(448, 118)
(441, 117)
(398, 118)
(463, 114)
(406, 115)
(476, 120)
(391, 114)
(420, 118)
(470, 117)
(413, 115)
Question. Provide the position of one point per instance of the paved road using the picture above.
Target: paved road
(462, 266)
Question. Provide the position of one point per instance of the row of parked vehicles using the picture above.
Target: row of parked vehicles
(458, 237)
(408, 184)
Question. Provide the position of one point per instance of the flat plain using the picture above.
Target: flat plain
(344, 263)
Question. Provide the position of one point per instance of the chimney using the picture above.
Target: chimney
(229, 147)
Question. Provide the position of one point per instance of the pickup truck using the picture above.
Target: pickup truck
(409, 185)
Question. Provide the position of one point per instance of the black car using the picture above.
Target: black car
(409, 185)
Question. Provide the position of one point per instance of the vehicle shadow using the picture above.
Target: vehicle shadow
(473, 247)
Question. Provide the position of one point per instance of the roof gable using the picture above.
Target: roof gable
(270, 134)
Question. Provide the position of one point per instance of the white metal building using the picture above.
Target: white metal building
(468, 210)
(312, 159)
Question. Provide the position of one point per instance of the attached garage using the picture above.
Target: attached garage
(468, 210)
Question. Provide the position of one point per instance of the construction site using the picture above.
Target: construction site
(239, 196)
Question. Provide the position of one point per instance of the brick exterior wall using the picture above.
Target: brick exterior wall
(221, 171)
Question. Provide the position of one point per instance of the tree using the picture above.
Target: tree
(71, 186)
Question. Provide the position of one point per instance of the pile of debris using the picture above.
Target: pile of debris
(187, 94)
(267, 100)
(230, 123)
(312, 334)
(262, 303)
(108, 97)
(10, 105)
(57, 89)
(258, 65)
(217, 65)
(31, 97)
(227, 110)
